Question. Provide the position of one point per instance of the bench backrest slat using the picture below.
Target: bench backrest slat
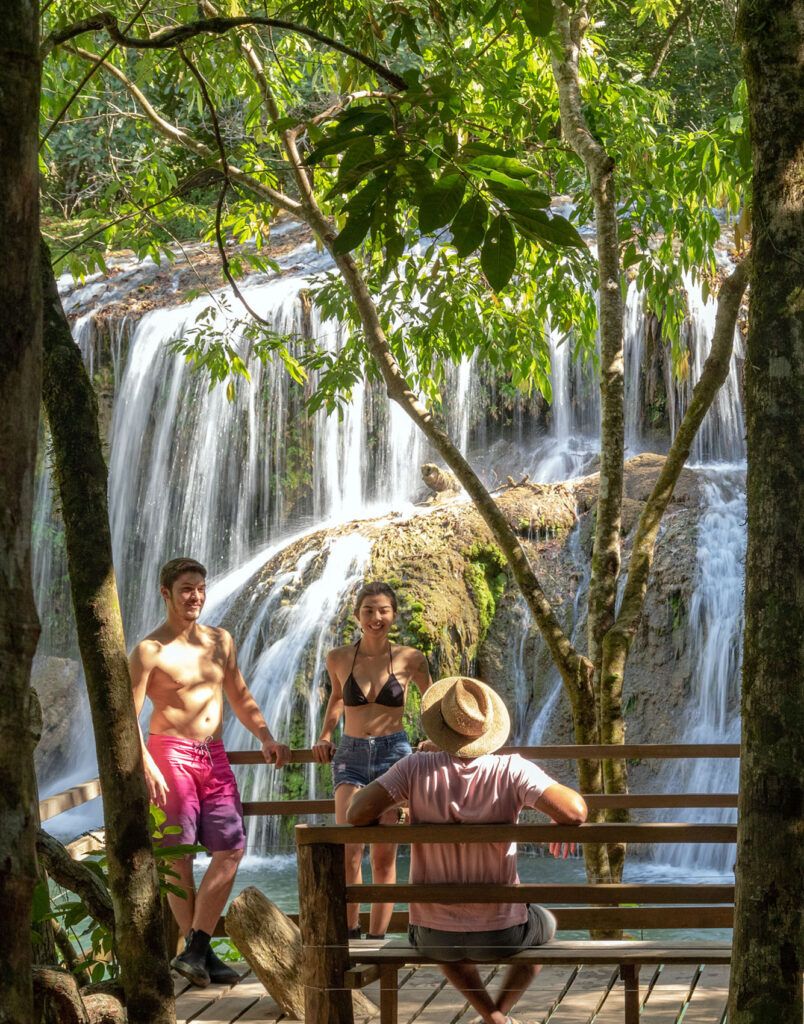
(601, 894)
(608, 832)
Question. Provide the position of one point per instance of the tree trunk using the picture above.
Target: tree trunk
(80, 473)
(768, 958)
(20, 376)
(271, 944)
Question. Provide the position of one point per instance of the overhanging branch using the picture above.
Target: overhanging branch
(169, 38)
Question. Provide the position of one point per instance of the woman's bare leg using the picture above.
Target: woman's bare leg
(383, 872)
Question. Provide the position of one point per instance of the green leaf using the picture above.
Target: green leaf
(538, 15)
(469, 226)
(508, 165)
(555, 230)
(439, 203)
(40, 908)
(353, 233)
(498, 255)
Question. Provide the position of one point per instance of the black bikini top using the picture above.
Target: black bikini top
(392, 695)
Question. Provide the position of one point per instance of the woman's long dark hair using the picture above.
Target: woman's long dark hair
(372, 590)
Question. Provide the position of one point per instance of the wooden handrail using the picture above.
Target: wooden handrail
(77, 795)
(554, 752)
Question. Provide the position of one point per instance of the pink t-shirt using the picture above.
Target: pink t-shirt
(487, 790)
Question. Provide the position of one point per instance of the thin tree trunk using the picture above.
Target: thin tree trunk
(20, 375)
(768, 944)
(80, 473)
(617, 642)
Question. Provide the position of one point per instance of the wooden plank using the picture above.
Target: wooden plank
(569, 952)
(233, 1004)
(602, 894)
(266, 1011)
(665, 999)
(73, 797)
(610, 832)
(568, 751)
(602, 801)
(585, 996)
(256, 808)
(710, 997)
(574, 918)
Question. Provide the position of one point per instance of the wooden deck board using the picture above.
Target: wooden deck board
(248, 1002)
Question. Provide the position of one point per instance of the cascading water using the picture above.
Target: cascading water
(195, 474)
(716, 627)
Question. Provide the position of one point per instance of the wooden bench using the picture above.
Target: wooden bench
(332, 965)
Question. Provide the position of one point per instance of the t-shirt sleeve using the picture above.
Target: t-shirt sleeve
(532, 780)
(396, 781)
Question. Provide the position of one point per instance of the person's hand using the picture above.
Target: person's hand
(323, 751)
(562, 850)
(427, 747)
(277, 754)
(157, 787)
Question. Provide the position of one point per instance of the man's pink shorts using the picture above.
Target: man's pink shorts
(202, 794)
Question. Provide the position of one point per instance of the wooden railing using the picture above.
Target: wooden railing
(80, 794)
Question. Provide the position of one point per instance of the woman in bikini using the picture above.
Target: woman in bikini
(370, 680)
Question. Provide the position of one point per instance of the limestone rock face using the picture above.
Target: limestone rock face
(59, 686)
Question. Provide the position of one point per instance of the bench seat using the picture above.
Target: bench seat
(398, 952)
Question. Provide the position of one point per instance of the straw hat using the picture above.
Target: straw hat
(465, 717)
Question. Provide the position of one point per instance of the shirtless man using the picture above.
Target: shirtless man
(185, 669)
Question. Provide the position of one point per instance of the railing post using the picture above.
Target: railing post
(630, 975)
(325, 941)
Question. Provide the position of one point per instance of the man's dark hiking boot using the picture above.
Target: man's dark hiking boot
(191, 963)
(353, 933)
(219, 972)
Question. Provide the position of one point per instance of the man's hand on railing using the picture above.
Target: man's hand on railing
(277, 754)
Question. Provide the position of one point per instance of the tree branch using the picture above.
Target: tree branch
(664, 47)
(179, 137)
(75, 876)
(171, 37)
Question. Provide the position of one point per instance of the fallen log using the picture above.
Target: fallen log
(271, 944)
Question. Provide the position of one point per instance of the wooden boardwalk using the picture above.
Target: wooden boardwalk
(559, 995)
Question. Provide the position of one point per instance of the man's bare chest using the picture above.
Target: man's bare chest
(189, 668)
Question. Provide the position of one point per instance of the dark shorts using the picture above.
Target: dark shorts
(539, 928)
(202, 794)
(360, 760)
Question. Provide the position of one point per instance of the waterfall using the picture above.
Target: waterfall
(716, 628)
(721, 437)
(233, 483)
(282, 658)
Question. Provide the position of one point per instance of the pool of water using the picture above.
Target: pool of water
(275, 876)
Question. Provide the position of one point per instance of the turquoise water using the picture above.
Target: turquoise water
(275, 876)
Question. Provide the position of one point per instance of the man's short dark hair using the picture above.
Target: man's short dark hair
(171, 570)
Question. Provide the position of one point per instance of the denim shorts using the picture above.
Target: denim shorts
(448, 947)
(360, 760)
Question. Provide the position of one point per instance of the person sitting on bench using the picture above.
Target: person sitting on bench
(464, 781)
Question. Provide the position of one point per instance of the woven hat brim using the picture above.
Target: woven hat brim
(454, 742)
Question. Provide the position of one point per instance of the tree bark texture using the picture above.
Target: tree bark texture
(271, 944)
(57, 991)
(766, 968)
(20, 379)
(81, 476)
(73, 875)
